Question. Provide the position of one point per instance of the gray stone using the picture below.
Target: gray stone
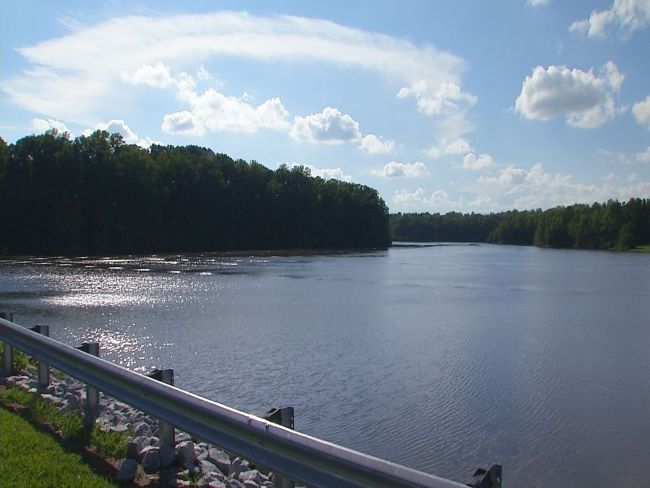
(268, 484)
(150, 459)
(251, 475)
(237, 466)
(128, 470)
(250, 484)
(220, 459)
(182, 437)
(185, 453)
(167, 456)
(232, 483)
(216, 484)
(209, 476)
(141, 428)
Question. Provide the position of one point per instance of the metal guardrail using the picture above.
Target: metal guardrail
(293, 454)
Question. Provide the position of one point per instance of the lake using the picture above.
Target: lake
(441, 358)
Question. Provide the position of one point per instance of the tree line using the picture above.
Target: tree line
(96, 195)
(611, 225)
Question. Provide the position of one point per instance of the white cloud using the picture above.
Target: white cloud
(375, 145)
(72, 76)
(182, 123)
(537, 3)
(330, 126)
(394, 169)
(613, 156)
(473, 163)
(203, 74)
(536, 188)
(157, 75)
(441, 99)
(417, 198)
(325, 173)
(146, 142)
(219, 112)
(440, 201)
(644, 157)
(583, 98)
(118, 126)
(40, 126)
(624, 17)
(641, 111)
(454, 147)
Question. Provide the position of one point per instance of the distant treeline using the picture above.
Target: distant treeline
(95, 194)
(610, 225)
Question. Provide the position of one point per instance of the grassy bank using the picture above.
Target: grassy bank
(645, 248)
(30, 458)
(41, 446)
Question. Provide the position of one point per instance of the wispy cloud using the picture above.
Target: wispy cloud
(71, 76)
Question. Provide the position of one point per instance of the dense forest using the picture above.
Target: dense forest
(95, 194)
(610, 225)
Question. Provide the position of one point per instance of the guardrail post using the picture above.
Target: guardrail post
(8, 356)
(43, 367)
(283, 416)
(92, 393)
(166, 431)
(487, 478)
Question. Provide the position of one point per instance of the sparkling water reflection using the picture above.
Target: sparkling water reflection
(440, 358)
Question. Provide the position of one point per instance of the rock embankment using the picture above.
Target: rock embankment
(189, 463)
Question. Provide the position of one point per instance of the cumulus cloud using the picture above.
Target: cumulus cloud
(644, 157)
(40, 126)
(454, 147)
(73, 75)
(118, 126)
(440, 201)
(537, 188)
(583, 98)
(329, 173)
(394, 169)
(442, 99)
(157, 75)
(622, 18)
(183, 123)
(473, 163)
(375, 145)
(641, 111)
(537, 3)
(325, 173)
(330, 126)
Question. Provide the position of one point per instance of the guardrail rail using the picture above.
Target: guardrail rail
(307, 459)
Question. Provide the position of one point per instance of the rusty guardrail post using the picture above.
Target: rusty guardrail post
(43, 367)
(166, 431)
(8, 356)
(285, 417)
(92, 393)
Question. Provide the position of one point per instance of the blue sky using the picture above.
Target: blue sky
(441, 105)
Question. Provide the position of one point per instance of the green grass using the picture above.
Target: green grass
(644, 249)
(29, 458)
(69, 425)
(22, 361)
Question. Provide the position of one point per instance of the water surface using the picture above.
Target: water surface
(441, 358)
